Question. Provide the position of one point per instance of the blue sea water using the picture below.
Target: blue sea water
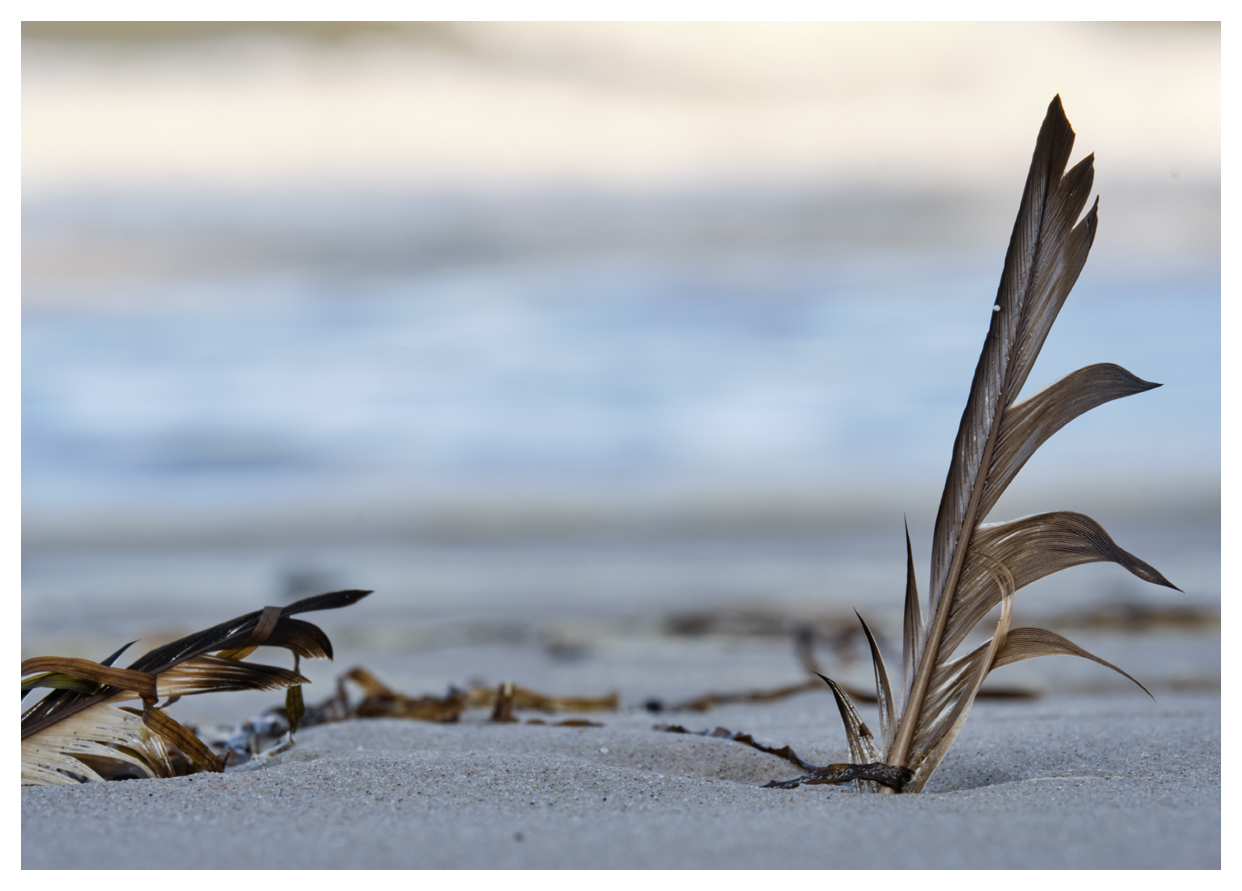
(260, 396)
(607, 373)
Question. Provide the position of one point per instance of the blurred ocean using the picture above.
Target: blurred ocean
(604, 400)
(735, 391)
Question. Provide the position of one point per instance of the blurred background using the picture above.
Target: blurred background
(515, 323)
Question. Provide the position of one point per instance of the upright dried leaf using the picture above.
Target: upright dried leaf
(974, 566)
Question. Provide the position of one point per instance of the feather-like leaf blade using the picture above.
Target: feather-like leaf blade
(1062, 253)
(304, 639)
(1033, 547)
(1042, 261)
(1031, 643)
(168, 728)
(993, 386)
(912, 628)
(237, 632)
(883, 690)
(139, 682)
(213, 674)
(105, 732)
(858, 736)
(1030, 423)
(974, 566)
(933, 744)
(57, 681)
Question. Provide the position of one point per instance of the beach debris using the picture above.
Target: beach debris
(508, 696)
(381, 701)
(258, 740)
(804, 648)
(502, 706)
(708, 701)
(745, 738)
(81, 732)
(976, 567)
(506, 700)
(525, 698)
(835, 774)
(1142, 617)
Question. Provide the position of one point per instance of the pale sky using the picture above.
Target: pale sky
(618, 106)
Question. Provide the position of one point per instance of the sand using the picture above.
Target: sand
(1091, 775)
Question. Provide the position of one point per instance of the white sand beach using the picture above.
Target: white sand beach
(1092, 775)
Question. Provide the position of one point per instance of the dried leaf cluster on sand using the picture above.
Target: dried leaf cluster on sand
(82, 730)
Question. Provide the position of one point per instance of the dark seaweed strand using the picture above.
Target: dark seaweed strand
(878, 772)
(886, 774)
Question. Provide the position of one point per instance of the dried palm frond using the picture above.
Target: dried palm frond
(82, 732)
(976, 567)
